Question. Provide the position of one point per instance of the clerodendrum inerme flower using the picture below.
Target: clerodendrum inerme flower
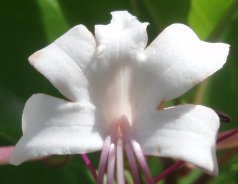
(114, 84)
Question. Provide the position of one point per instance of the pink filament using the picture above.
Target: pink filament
(89, 166)
(120, 165)
(103, 159)
(111, 164)
(142, 161)
(137, 150)
(131, 160)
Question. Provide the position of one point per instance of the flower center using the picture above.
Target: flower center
(119, 137)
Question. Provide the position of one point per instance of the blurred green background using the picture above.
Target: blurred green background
(29, 25)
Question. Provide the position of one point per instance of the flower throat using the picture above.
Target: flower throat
(112, 155)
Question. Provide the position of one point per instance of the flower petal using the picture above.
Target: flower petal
(122, 39)
(186, 132)
(63, 62)
(79, 44)
(54, 126)
(119, 45)
(179, 60)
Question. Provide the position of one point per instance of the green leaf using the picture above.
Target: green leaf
(223, 89)
(205, 15)
(53, 19)
(10, 117)
(228, 173)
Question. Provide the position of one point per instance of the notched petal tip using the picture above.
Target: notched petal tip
(124, 36)
(126, 19)
(119, 14)
(121, 21)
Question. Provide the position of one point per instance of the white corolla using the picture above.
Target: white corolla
(113, 84)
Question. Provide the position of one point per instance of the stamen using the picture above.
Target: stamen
(111, 164)
(103, 159)
(131, 160)
(120, 165)
(142, 161)
(89, 166)
(137, 150)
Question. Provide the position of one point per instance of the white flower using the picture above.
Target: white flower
(114, 75)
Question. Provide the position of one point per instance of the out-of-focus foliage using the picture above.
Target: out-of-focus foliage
(29, 25)
(205, 16)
